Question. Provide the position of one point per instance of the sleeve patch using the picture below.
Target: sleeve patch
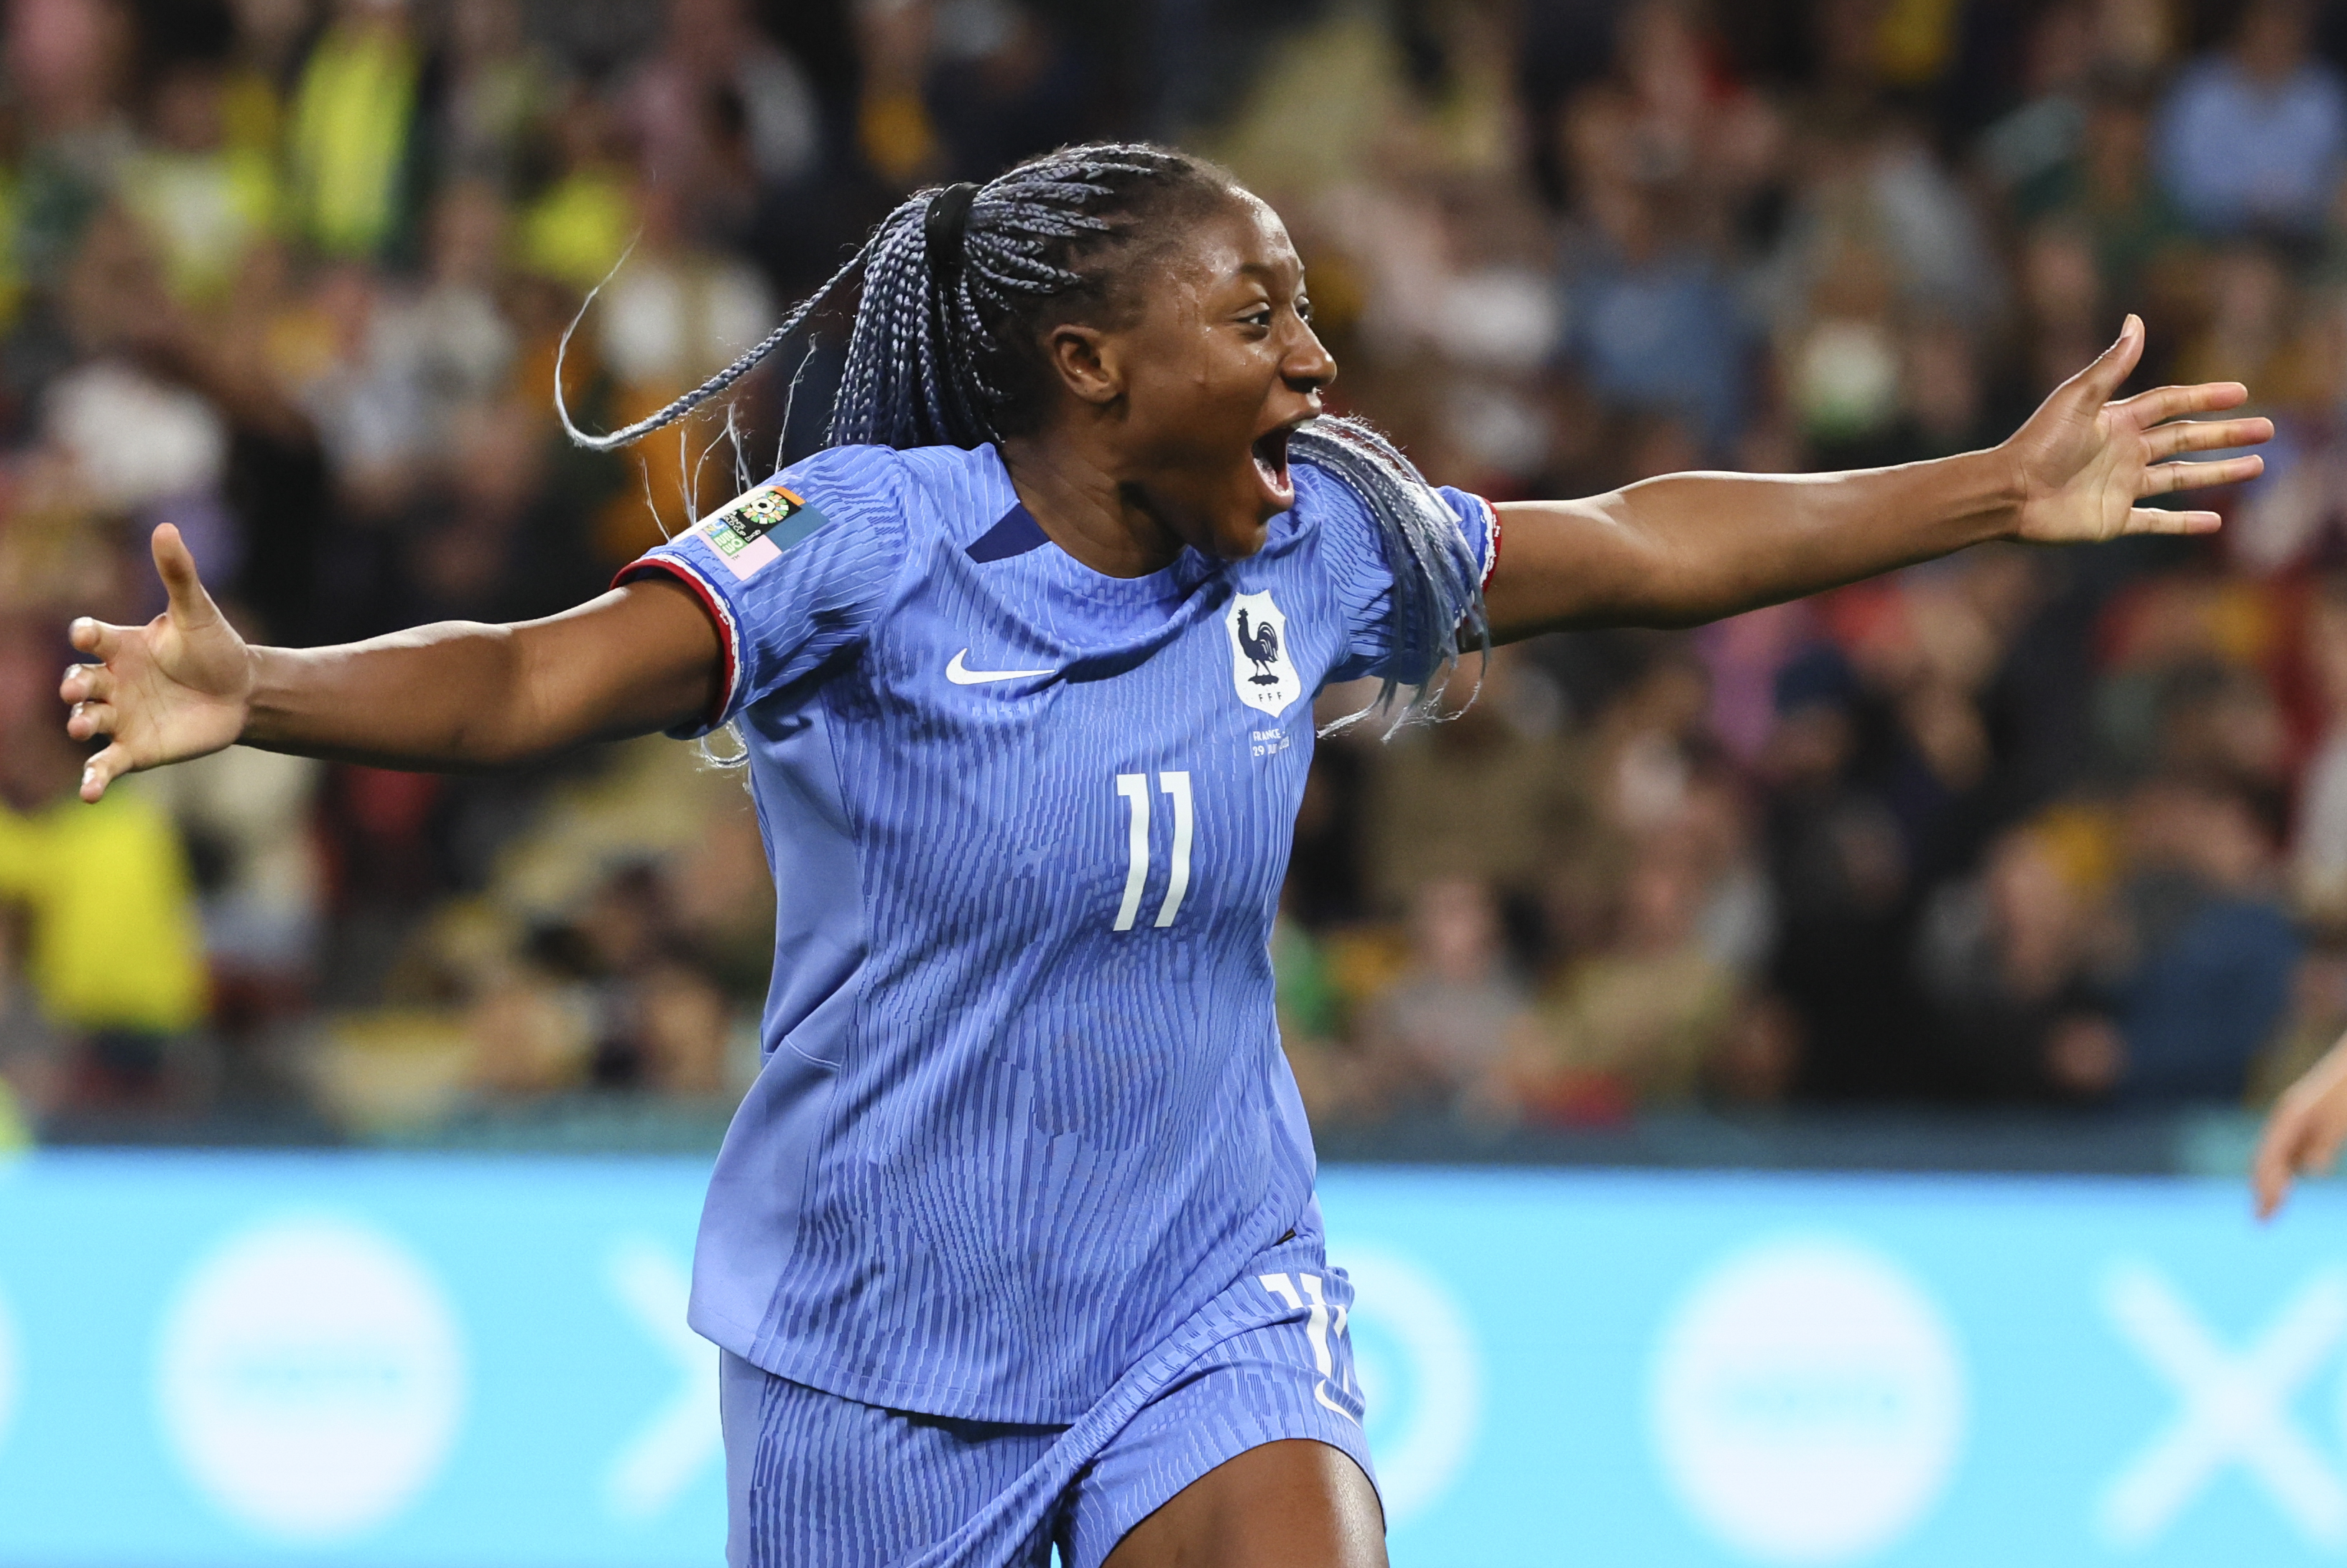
(758, 527)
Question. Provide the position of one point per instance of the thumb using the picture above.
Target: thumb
(191, 605)
(2104, 378)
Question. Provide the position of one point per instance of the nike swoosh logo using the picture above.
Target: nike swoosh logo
(961, 675)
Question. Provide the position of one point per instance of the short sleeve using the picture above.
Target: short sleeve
(793, 571)
(1365, 582)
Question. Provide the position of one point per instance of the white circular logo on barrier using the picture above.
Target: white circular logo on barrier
(1808, 1401)
(1420, 1376)
(310, 1378)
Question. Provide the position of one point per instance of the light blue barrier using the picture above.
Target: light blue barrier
(471, 1363)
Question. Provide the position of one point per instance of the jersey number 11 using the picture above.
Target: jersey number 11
(1134, 788)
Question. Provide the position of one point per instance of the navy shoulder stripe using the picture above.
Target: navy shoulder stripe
(1015, 535)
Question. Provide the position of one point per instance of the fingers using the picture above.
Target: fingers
(2283, 1151)
(2276, 1161)
(95, 636)
(2208, 436)
(2165, 403)
(90, 720)
(2107, 375)
(2168, 478)
(102, 770)
(2158, 520)
(2321, 1153)
(177, 567)
(2298, 1138)
(84, 683)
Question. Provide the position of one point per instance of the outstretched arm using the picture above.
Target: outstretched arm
(455, 697)
(1692, 548)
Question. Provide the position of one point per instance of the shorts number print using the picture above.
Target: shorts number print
(1324, 1324)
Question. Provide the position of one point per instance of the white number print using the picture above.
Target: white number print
(1319, 1328)
(1134, 788)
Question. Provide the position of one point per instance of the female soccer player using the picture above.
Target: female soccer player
(1013, 1242)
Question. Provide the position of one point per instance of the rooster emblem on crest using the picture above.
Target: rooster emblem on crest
(1261, 645)
(1263, 667)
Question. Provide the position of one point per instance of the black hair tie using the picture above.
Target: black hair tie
(943, 225)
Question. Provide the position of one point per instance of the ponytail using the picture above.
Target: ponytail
(955, 284)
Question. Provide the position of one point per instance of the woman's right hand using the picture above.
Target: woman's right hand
(176, 688)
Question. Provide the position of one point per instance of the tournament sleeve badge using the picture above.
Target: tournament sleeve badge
(758, 527)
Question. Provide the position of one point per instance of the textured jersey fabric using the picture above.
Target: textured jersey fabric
(812, 1478)
(1023, 1107)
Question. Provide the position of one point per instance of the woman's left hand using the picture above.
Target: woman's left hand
(2303, 1131)
(2083, 461)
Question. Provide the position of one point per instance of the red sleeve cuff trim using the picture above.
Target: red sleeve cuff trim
(728, 634)
(1491, 553)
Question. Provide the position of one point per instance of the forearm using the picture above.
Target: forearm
(461, 696)
(448, 698)
(1690, 548)
(444, 698)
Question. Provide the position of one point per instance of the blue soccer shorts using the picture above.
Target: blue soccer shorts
(816, 1480)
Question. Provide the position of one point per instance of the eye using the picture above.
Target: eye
(1259, 317)
(1303, 308)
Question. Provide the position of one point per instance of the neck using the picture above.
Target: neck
(1084, 508)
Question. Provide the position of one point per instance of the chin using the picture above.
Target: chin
(1243, 531)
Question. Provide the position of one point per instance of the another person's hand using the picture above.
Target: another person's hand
(2304, 1131)
(2086, 461)
(175, 688)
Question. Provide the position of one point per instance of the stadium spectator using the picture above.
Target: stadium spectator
(319, 257)
(1659, 322)
(2008, 961)
(2252, 138)
(2318, 868)
(92, 885)
(1438, 1034)
(351, 130)
(2214, 953)
(1636, 1024)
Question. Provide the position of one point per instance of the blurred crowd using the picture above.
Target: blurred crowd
(2020, 827)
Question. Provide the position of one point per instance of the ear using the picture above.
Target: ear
(1085, 363)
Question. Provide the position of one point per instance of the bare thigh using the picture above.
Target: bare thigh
(1291, 1504)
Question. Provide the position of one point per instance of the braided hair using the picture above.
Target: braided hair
(961, 283)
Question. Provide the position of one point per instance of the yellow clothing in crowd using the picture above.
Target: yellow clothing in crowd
(348, 138)
(204, 211)
(115, 943)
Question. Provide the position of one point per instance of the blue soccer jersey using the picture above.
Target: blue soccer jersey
(1023, 1107)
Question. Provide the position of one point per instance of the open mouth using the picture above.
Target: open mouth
(1270, 451)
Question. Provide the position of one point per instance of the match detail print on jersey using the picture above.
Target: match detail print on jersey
(961, 674)
(1261, 671)
(757, 527)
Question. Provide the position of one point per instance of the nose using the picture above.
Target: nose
(1309, 367)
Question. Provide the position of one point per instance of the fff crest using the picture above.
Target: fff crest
(1261, 669)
